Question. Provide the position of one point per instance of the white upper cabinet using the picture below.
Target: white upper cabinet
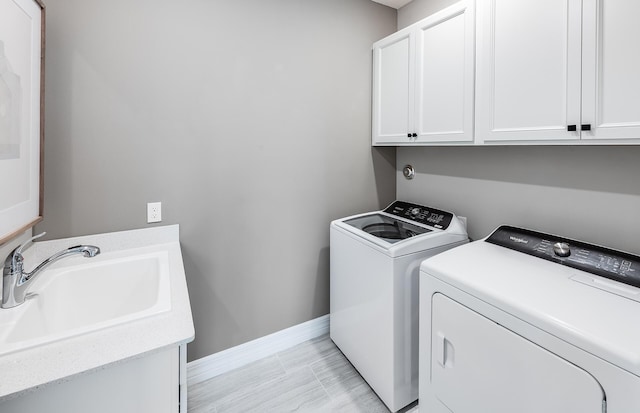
(557, 71)
(423, 80)
(528, 69)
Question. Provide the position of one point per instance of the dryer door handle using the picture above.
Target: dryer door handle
(443, 350)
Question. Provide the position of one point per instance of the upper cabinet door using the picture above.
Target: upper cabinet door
(445, 66)
(393, 95)
(529, 70)
(611, 68)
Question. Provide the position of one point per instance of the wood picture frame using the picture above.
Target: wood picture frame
(22, 53)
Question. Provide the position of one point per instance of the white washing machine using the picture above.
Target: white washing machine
(374, 264)
(529, 322)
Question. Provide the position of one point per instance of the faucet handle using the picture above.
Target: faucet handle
(28, 242)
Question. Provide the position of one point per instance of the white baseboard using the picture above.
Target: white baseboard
(227, 360)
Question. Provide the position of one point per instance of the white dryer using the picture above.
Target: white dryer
(529, 322)
(374, 264)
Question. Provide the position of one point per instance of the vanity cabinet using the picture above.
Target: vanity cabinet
(152, 383)
(558, 71)
(423, 80)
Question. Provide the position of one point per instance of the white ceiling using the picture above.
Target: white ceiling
(396, 4)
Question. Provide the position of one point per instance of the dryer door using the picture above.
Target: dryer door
(480, 366)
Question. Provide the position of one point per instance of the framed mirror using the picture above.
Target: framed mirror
(22, 40)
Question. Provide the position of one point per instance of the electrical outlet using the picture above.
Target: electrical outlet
(154, 212)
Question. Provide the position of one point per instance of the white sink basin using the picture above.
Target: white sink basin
(100, 292)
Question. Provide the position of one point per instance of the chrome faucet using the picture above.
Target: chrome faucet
(15, 281)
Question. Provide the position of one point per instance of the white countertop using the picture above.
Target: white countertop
(29, 369)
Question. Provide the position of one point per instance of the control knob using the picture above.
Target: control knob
(414, 212)
(561, 249)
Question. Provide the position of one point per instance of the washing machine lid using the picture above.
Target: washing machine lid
(386, 227)
(404, 228)
(594, 313)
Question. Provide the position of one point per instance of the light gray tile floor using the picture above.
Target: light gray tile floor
(311, 377)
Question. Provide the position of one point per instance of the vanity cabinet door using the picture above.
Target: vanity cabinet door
(529, 70)
(150, 383)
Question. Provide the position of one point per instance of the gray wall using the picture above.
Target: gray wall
(248, 119)
(419, 9)
(589, 193)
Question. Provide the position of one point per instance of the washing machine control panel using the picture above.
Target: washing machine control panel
(419, 213)
(616, 265)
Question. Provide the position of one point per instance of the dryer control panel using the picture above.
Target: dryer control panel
(616, 265)
(425, 215)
